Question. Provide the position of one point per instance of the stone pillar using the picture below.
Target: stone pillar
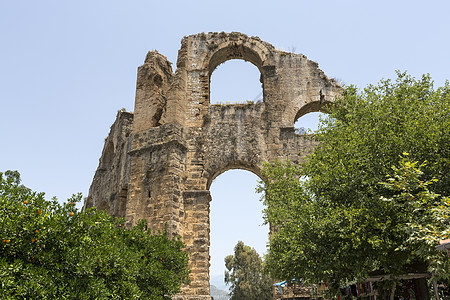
(196, 237)
(152, 85)
(157, 163)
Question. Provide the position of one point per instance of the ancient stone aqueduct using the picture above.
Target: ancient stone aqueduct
(158, 162)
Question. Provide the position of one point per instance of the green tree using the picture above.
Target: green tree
(245, 274)
(52, 251)
(339, 223)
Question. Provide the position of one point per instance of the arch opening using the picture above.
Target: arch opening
(236, 81)
(235, 214)
(307, 120)
(232, 165)
(308, 123)
(234, 52)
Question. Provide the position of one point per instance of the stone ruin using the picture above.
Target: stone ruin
(159, 162)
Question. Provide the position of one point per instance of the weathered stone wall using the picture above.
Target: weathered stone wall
(153, 82)
(180, 142)
(109, 188)
(158, 158)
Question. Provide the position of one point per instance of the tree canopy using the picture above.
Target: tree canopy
(52, 251)
(245, 275)
(372, 196)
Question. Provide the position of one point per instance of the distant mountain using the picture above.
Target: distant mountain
(218, 281)
(218, 294)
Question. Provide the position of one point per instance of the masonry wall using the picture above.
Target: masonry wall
(179, 143)
(109, 188)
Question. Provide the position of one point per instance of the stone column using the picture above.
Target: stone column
(157, 164)
(196, 237)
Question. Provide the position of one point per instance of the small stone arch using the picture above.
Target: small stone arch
(315, 106)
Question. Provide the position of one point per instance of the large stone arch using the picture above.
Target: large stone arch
(250, 49)
(232, 165)
(231, 51)
(179, 143)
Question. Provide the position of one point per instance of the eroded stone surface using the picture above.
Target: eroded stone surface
(159, 163)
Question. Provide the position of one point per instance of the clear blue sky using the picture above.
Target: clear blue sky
(66, 67)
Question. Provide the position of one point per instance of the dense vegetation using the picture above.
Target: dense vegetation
(50, 250)
(372, 197)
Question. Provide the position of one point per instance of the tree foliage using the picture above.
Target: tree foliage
(339, 223)
(52, 251)
(245, 274)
